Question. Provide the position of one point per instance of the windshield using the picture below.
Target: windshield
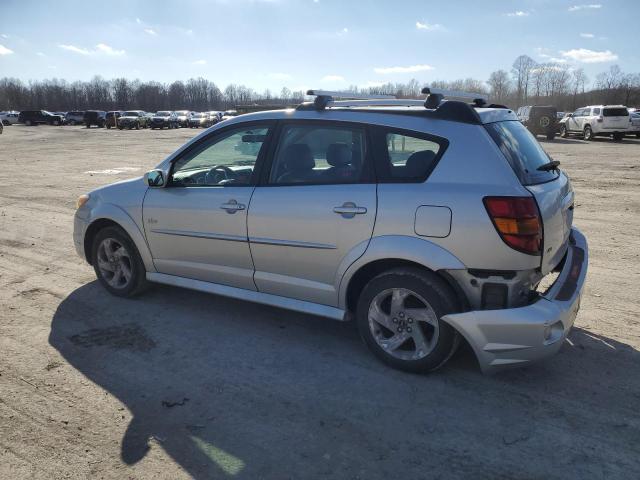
(522, 150)
(182, 112)
(47, 113)
(615, 112)
(163, 114)
(198, 115)
(130, 114)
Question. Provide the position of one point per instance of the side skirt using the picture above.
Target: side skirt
(249, 295)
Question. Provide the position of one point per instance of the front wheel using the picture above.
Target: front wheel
(117, 263)
(587, 133)
(563, 131)
(399, 318)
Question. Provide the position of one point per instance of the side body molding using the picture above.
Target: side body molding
(120, 216)
(413, 249)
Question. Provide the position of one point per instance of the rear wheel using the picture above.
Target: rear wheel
(617, 137)
(399, 318)
(563, 131)
(551, 135)
(28, 123)
(117, 263)
(587, 133)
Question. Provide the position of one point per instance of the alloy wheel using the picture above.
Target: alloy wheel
(114, 263)
(403, 324)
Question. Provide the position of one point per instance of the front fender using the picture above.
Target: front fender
(400, 247)
(109, 211)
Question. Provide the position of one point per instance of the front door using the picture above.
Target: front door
(315, 207)
(197, 225)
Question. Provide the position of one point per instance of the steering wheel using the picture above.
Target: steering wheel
(213, 176)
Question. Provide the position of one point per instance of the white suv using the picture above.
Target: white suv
(597, 120)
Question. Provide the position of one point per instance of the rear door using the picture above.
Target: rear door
(615, 118)
(315, 206)
(551, 189)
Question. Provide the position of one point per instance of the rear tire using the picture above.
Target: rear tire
(587, 133)
(617, 137)
(28, 123)
(399, 318)
(117, 263)
(551, 136)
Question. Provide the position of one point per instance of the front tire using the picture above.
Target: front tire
(587, 133)
(117, 263)
(399, 318)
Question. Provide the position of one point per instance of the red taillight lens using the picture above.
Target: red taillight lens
(517, 220)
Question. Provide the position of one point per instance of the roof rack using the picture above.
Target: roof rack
(434, 104)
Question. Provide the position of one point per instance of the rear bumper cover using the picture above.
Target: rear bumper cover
(519, 336)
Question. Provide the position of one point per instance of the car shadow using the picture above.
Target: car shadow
(231, 389)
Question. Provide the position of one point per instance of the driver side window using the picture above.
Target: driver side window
(227, 160)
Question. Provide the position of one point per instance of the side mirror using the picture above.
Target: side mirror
(570, 115)
(155, 178)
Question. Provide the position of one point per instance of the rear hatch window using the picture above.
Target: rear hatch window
(615, 112)
(522, 151)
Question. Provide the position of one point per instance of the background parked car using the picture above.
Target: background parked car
(634, 129)
(200, 120)
(94, 117)
(75, 117)
(164, 119)
(1, 126)
(539, 119)
(133, 119)
(183, 117)
(111, 118)
(597, 120)
(37, 117)
(9, 118)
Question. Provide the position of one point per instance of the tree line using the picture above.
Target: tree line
(527, 83)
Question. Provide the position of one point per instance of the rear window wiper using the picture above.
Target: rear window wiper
(547, 167)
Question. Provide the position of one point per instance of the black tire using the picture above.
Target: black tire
(587, 133)
(120, 128)
(137, 126)
(108, 127)
(551, 135)
(563, 131)
(638, 135)
(28, 123)
(88, 125)
(618, 137)
(439, 297)
(138, 282)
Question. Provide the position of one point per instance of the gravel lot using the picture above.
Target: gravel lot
(179, 384)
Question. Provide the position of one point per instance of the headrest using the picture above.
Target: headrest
(338, 155)
(298, 157)
(419, 163)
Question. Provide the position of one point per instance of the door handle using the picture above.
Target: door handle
(349, 210)
(232, 206)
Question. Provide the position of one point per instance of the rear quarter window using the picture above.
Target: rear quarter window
(616, 112)
(522, 151)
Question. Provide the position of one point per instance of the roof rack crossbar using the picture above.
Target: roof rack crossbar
(347, 95)
(454, 93)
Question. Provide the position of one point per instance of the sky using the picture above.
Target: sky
(300, 44)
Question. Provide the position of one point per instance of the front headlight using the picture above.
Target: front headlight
(82, 199)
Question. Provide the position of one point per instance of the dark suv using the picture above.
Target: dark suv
(36, 117)
(94, 117)
(540, 120)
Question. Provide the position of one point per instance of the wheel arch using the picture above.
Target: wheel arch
(111, 215)
(392, 251)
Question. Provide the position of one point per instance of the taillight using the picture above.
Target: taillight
(518, 222)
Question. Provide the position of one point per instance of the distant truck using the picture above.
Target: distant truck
(540, 119)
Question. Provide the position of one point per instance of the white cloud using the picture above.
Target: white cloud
(4, 35)
(585, 55)
(40, 54)
(138, 21)
(587, 35)
(106, 49)
(410, 69)
(150, 31)
(590, 6)
(519, 13)
(188, 32)
(333, 78)
(279, 76)
(429, 26)
(200, 62)
(74, 49)
(5, 51)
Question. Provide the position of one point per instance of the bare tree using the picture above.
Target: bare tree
(499, 86)
(521, 71)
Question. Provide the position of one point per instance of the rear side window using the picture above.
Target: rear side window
(404, 156)
(596, 111)
(522, 151)
(616, 112)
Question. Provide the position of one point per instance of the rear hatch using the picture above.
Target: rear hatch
(551, 188)
(615, 118)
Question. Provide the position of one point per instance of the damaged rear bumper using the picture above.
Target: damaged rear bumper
(518, 336)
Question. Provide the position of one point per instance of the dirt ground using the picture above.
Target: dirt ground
(179, 384)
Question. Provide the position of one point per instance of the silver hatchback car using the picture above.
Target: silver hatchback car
(427, 222)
